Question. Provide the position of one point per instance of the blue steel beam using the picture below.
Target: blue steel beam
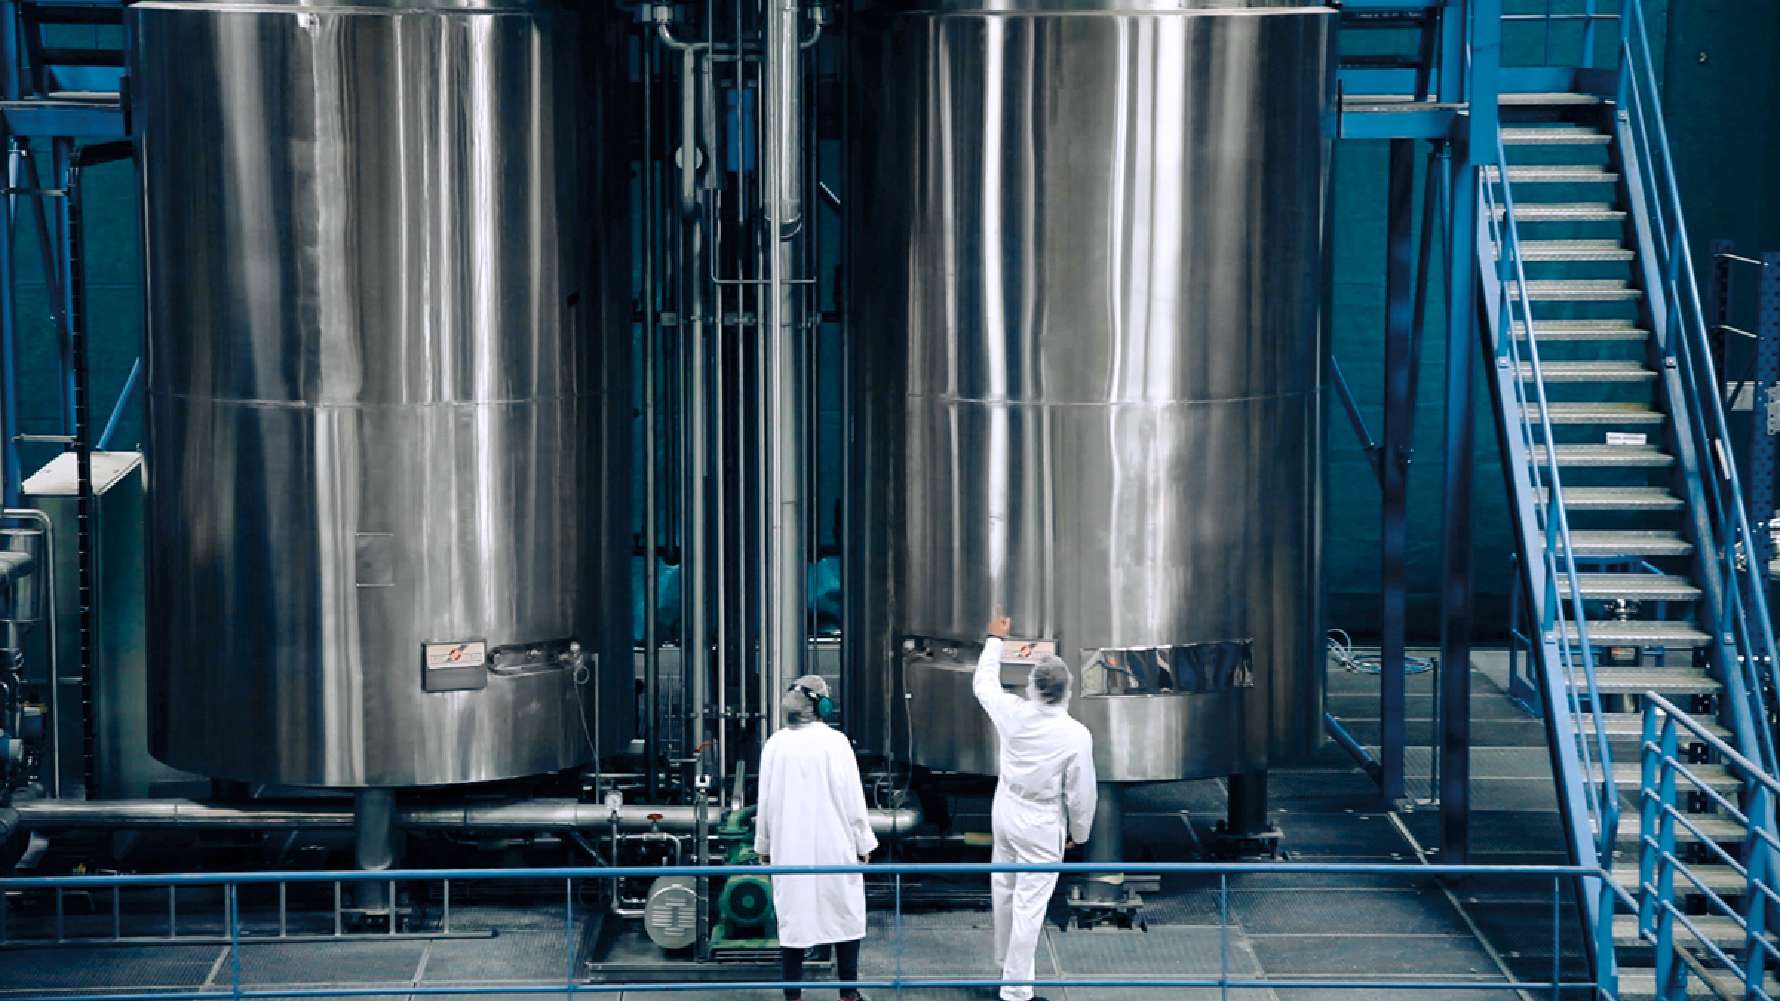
(1394, 468)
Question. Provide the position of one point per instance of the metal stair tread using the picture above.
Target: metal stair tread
(1599, 413)
(1662, 680)
(1536, 251)
(1720, 879)
(1576, 289)
(1721, 929)
(1642, 632)
(1628, 542)
(1547, 99)
(1611, 456)
(1554, 173)
(1592, 370)
(1564, 212)
(1621, 726)
(1714, 826)
(1636, 586)
(1640, 984)
(1555, 135)
(1630, 775)
(1617, 499)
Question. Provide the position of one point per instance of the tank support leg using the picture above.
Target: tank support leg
(374, 832)
(1108, 898)
(1246, 832)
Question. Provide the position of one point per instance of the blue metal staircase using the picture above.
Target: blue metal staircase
(1632, 535)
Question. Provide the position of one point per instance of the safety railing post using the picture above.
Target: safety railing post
(1665, 882)
(1758, 861)
(899, 942)
(231, 895)
(1606, 970)
(1223, 937)
(1649, 815)
(568, 935)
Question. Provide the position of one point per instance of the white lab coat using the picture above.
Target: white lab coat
(812, 812)
(1046, 791)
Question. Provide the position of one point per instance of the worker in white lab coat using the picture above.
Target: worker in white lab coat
(1044, 798)
(812, 812)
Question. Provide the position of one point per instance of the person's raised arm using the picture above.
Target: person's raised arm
(987, 681)
(763, 825)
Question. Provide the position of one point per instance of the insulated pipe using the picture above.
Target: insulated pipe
(694, 640)
(786, 598)
(512, 815)
(651, 585)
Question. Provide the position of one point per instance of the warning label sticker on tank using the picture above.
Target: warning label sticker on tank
(454, 656)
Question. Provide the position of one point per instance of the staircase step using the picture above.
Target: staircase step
(1577, 290)
(1716, 827)
(1548, 99)
(1721, 930)
(1617, 499)
(1555, 135)
(1598, 370)
(1632, 586)
(1606, 456)
(1720, 879)
(1597, 543)
(1629, 775)
(1630, 726)
(1611, 680)
(1554, 173)
(1564, 212)
(1640, 984)
(1643, 632)
(1599, 413)
(1538, 251)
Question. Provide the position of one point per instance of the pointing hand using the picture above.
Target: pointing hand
(999, 625)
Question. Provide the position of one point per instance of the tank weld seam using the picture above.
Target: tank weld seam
(376, 405)
(1098, 404)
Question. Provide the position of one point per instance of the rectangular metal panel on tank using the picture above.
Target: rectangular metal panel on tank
(122, 766)
(1088, 297)
(388, 428)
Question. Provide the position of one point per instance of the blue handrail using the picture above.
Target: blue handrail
(1741, 614)
(1669, 779)
(1226, 976)
(1556, 554)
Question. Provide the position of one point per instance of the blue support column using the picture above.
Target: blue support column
(1394, 469)
(1477, 133)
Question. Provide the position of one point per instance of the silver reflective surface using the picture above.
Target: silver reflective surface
(1087, 278)
(387, 389)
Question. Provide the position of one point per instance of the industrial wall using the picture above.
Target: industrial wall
(1721, 84)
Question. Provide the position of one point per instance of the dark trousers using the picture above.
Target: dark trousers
(846, 967)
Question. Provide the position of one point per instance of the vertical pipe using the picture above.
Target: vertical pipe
(784, 541)
(374, 847)
(651, 585)
(53, 732)
(694, 643)
(1394, 468)
(10, 473)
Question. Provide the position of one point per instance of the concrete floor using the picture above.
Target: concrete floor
(1282, 926)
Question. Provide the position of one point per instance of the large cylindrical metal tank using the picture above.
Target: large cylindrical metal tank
(1086, 273)
(387, 389)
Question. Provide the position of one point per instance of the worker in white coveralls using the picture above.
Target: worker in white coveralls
(1044, 798)
(812, 812)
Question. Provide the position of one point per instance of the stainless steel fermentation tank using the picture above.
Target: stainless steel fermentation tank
(388, 392)
(1086, 259)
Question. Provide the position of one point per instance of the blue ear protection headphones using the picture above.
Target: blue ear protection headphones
(822, 703)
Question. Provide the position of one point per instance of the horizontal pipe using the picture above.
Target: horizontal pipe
(514, 815)
(1414, 870)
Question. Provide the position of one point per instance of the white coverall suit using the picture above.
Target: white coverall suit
(812, 812)
(1046, 789)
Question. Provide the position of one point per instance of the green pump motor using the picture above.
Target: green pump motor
(745, 917)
